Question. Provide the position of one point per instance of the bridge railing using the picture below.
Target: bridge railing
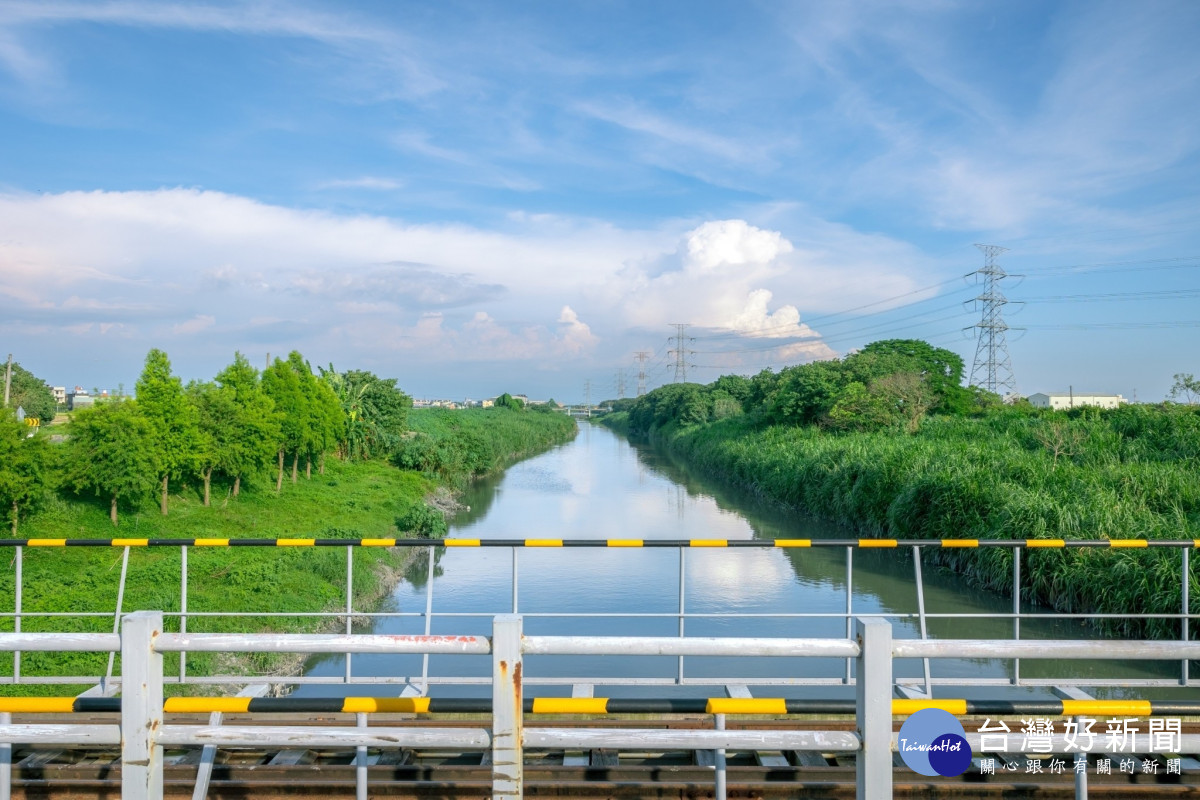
(682, 614)
(144, 731)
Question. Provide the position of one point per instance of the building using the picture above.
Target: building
(60, 395)
(79, 399)
(1061, 400)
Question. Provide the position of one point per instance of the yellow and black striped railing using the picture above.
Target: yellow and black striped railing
(763, 706)
(453, 542)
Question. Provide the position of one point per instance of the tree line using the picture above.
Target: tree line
(239, 425)
(893, 383)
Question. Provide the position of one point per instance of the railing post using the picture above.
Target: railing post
(1184, 633)
(508, 781)
(682, 599)
(428, 618)
(183, 607)
(112, 657)
(849, 602)
(17, 602)
(873, 698)
(720, 763)
(141, 707)
(349, 605)
(916, 552)
(1016, 598)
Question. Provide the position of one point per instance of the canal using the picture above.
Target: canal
(603, 487)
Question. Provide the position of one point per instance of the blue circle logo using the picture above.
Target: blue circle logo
(933, 742)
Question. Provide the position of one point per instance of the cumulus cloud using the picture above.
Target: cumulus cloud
(575, 335)
(732, 242)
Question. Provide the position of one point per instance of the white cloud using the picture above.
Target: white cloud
(575, 335)
(365, 182)
(198, 323)
(386, 48)
(732, 242)
(551, 291)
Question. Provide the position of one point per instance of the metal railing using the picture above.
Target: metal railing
(421, 683)
(143, 731)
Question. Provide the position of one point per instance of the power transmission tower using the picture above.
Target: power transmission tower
(992, 369)
(620, 384)
(641, 356)
(680, 351)
(587, 397)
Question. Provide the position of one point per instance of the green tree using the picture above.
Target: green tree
(281, 384)
(30, 393)
(213, 409)
(252, 432)
(375, 413)
(859, 409)
(942, 369)
(506, 400)
(113, 452)
(23, 472)
(1186, 386)
(172, 418)
(805, 394)
(329, 424)
(908, 394)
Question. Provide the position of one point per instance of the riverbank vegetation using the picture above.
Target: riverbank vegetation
(242, 457)
(888, 443)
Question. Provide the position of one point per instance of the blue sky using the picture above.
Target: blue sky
(480, 197)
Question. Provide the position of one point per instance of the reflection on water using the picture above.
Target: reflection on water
(600, 486)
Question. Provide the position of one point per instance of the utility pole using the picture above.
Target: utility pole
(7, 380)
(641, 356)
(680, 351)
(992, 369)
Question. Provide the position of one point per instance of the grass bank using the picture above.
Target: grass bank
(350, 500)
(1129, 473)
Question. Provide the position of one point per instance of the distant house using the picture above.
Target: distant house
(1061, 400)
(79, 399)
(60, 395)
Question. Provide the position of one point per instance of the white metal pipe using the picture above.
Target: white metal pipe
(17, 605)
(53, 642)
(320, 643)
(183, 607)
(61, 734)
(692, 646)
(719, 761)
(682, 597)
(1029, 648)
(350, 609)
(112, 657)
(360, 757)
(301, 737)
(665, 739)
